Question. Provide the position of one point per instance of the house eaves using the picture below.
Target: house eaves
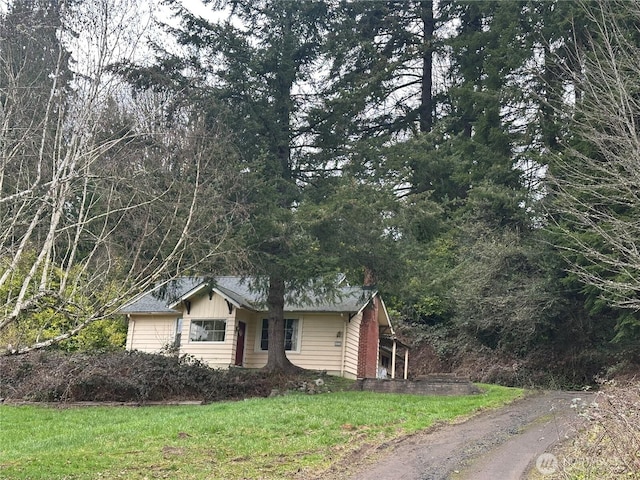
(386, 315)
(238, 292)
(187, 295)
(155, 301)
(235, 299)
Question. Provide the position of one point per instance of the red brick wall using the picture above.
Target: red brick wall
(369, 341)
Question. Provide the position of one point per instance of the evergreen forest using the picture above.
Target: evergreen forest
(478, 162)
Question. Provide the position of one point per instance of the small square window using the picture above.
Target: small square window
(207, 330)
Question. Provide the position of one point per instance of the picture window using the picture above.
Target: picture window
(207, 330)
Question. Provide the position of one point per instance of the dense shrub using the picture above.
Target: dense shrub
(126, 377)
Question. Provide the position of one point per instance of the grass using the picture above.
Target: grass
(256, 438)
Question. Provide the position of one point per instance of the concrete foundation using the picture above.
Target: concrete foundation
(428, 385)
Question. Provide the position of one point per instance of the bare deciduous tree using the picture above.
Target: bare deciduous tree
(100, 196)
(595, 183)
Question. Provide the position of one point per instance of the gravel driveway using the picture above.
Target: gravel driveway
(501, 444)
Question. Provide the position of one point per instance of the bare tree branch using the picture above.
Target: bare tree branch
(95, 207)
(595, 183)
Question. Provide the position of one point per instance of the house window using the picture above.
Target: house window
(291, 334)
(207, 330)
(178, 334)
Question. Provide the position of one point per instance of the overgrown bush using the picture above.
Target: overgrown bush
(554, 365)
(52, 376)
(609, 448)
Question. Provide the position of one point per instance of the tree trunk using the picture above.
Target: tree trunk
(277, 360)
(370, 277)
(426, 100)
(285, 77)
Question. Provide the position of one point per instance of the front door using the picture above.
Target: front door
(242, 328)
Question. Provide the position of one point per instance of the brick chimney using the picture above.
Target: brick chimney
(369, 332)
(369, 341)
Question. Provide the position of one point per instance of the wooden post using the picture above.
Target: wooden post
(406, 362)
(393, 359)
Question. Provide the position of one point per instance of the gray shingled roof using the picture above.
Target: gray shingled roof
(239, 291)
(159, 299)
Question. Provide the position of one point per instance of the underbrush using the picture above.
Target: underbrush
(53, 376)
(544, 369)
(609, 448)
(550, 366)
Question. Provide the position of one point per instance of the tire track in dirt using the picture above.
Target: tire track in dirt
(500, 444)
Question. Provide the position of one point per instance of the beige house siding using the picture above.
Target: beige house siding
(352, 347)
(215, 354)
(202, 307)
(150, 333)
(321, 342)
(253, 358)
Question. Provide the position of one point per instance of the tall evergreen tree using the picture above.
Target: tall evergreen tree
(382, 58)
(259, 63)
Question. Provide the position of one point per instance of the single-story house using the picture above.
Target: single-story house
(222, 321)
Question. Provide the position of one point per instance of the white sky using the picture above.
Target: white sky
(196, 6)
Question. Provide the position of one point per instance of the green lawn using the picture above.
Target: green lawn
(256, 438)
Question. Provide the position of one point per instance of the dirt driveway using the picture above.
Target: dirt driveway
(502, 444)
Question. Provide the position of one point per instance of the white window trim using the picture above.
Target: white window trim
(198, 342)
(257, 345)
